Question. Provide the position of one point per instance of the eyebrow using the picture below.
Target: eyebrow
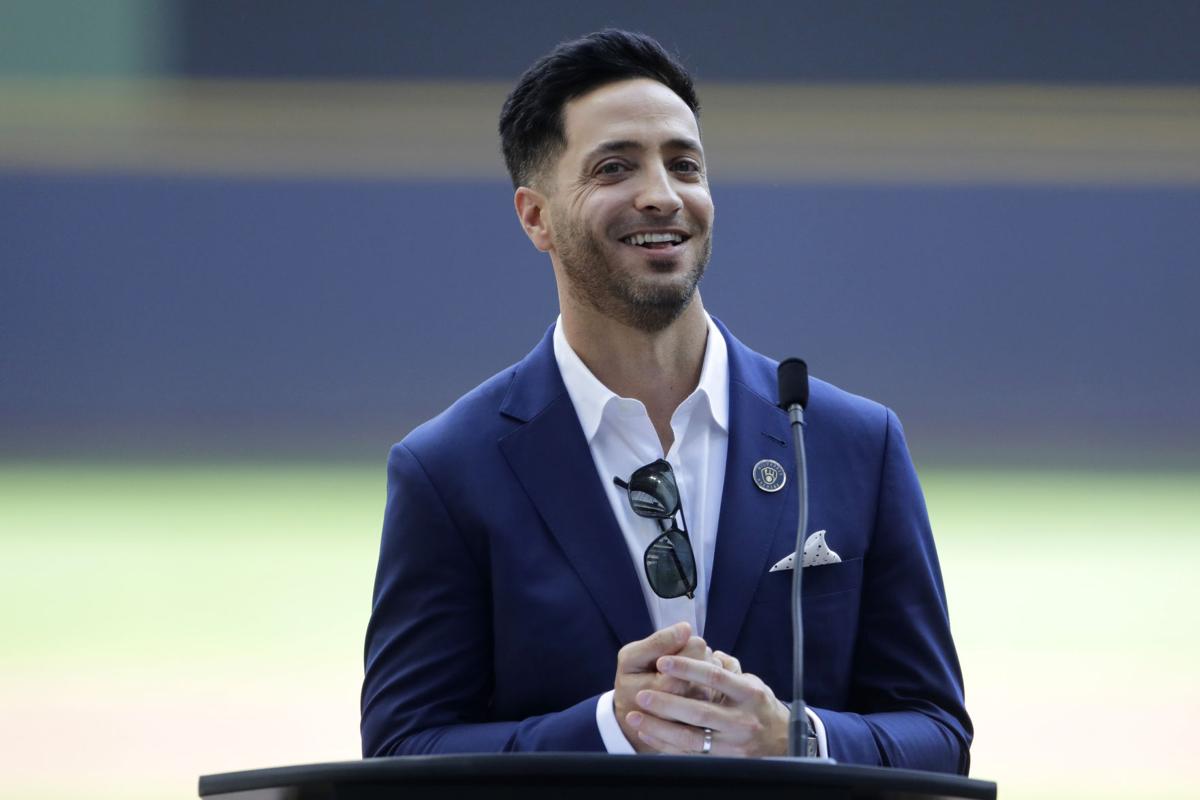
(624, 145)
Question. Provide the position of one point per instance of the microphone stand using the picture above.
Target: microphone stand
(793, 397)
(798, 733)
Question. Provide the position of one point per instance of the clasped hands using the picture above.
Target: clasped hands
(670, 687)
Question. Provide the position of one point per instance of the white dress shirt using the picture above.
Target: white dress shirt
(622, 438)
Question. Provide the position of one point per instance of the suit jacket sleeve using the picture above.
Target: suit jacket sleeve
(907, 691)
(427, 687)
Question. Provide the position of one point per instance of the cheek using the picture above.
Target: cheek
(601, 216)
(700, 205)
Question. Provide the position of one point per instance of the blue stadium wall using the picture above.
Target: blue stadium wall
(318, 311)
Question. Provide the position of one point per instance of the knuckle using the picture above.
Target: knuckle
(668, 685)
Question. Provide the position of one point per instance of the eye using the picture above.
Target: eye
(686, 166)
(611, 168)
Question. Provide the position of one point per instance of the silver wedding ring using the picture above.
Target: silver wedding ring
(707, 748)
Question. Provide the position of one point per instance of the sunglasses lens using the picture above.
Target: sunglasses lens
(646, 504)
(652, 491)
(670, 565)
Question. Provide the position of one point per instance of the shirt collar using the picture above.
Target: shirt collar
(590, 397)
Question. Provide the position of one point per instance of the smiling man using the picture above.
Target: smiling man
(612, 571)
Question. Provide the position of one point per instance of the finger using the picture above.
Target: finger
(689, 711)
(728, 662)
(737, 687)
(721, 660)
(667, 684)
(694, 648)
(636, 681)
(640, 656)
(667, 736)
(661, 746)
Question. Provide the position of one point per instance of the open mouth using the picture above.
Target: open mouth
(656, 241)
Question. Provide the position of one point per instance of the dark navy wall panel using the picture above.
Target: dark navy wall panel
(919, 40)
(291, 304)
(1045, 316)
(298, 313)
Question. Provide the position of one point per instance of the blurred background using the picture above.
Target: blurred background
(245, 246)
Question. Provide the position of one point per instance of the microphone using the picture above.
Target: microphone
(793, 384)
(793, 398)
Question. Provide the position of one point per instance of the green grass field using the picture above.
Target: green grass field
(162, 621)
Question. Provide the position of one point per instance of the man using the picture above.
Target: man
(531, 596)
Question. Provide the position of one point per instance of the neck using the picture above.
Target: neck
(660, 369)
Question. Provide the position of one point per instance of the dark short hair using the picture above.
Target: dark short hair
(531, 122)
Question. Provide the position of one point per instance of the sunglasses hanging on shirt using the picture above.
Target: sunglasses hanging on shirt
(669, 561)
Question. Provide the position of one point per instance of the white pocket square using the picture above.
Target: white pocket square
(816, 553)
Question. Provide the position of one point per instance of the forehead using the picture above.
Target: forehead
(639, 110)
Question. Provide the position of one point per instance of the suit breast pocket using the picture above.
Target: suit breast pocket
(832, 578)
(831, 607)
(826, 579)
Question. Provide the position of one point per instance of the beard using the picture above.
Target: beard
(619, 294)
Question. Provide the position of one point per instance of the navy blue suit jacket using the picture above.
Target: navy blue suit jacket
(505, 588)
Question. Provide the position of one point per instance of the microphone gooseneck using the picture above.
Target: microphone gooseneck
(793, 398)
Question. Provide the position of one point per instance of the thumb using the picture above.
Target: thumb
(640, 656)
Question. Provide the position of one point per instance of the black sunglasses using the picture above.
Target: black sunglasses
(669, 560)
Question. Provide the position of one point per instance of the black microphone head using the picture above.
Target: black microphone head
(793, 383)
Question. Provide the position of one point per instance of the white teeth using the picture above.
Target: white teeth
(649, 238)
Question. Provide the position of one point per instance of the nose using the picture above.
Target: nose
(657, 192)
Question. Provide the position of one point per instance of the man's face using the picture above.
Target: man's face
(630, 214)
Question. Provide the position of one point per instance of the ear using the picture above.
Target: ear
(531, 208)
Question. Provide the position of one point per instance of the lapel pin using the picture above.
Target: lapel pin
(769, 475)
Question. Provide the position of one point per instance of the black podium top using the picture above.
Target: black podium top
(583, 776)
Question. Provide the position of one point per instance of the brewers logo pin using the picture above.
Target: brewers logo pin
(769, 475)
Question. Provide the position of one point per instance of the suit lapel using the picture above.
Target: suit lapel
(553, 462)
(750, 518)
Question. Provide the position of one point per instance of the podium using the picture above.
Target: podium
(571, 776)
